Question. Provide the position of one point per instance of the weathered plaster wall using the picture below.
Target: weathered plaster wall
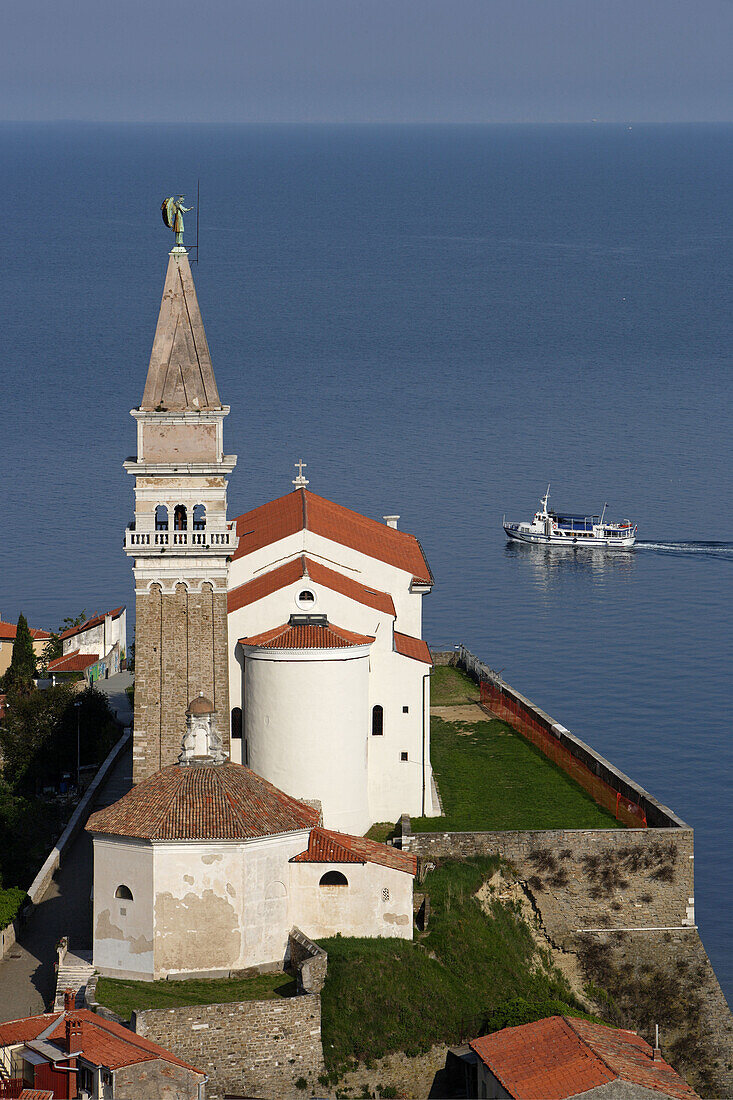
(223, 906)
(170, 442)
(123, 928)
(376, 902)
(252, 1048)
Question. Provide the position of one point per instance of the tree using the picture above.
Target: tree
(22, 668)
(68, 622)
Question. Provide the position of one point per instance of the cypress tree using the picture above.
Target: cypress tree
(23, 662)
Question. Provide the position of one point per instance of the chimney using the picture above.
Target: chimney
(391, 521)
(69, 1000)
(73, 1034)
(656, 1053)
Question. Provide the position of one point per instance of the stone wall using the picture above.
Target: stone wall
(181, 650)
(255, 1048)
(587, 878)
(308, 962)
(157, 1080)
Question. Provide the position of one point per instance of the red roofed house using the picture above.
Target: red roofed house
(75, 1052)
(563, 1057)
(301, 619)
(204, 867)
(7, 639)
(95, 649)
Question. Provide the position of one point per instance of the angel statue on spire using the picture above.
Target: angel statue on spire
(173, 210)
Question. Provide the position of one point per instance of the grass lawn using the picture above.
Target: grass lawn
(490, 777)
(123, 996)
(451, 686)
(468, 974)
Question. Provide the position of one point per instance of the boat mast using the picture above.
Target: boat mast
(605, 505)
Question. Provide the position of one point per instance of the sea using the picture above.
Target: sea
(439, 321)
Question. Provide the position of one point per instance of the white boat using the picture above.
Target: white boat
(563, 529)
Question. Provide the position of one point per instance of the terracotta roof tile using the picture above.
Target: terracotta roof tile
(7, 632)
(328, 846)
(302, 510)
(73, 662)
(630, 1057)
(106, 1043)
(415, 648)
(559, 1057)
(94, 621)
(203, 802)
(22, 1031)
(295, 570)
(310, 636)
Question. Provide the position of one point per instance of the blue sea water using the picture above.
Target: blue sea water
(439, 321)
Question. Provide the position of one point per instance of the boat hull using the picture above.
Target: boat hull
(567, 541)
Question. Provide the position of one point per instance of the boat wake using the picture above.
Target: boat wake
(710, 549)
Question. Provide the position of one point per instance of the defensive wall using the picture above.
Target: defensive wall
(622, 900)
(256, 1048)
(251, 1048)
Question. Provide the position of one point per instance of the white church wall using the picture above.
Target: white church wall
(306, 728)
(219, 905)
(123, 927)
(376, 902)
(396, 784)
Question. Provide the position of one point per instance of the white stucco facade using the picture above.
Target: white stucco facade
(324, 712)
(305, 722)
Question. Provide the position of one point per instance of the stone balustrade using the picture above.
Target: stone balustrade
(193, 540)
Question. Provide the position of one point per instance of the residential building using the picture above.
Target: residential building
(76, 1053)
(7, 639)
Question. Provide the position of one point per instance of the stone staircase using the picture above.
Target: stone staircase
(75, 970)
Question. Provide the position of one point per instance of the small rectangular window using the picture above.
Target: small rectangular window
(405, 710)
(403, 756)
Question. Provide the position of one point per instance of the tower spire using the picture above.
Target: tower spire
(180, 374)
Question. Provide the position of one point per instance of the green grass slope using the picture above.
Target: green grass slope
(468, 973)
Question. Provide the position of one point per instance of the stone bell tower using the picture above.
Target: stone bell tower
(180, 540)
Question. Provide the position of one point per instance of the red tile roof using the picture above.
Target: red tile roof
(295, 570)
(302, 510)
(22, 1031)
(104, 1043)
(310, 636)
(203, 802)
(415, 648)
(631, 1058)
(327, 846)
(73, 662)
(94, 621)
(7, 632)
(559, 1057)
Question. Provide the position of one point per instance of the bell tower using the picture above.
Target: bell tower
(180, 540)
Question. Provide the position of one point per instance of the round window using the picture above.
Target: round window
(306, 599)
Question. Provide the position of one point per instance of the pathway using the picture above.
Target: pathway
(27, 977)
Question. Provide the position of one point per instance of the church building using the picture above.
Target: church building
(300, 620)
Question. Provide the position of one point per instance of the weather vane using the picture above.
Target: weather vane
(173, 210)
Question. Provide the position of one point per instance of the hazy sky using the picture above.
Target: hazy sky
(367, 60)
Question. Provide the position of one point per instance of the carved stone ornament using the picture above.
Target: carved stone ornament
(201, 742)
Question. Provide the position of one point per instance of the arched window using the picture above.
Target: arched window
(199, 517)
(161, 518)
(236, 723)
(124, 892)
(180, 518)
(377, 721)
(333, 878)
(306, 596)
